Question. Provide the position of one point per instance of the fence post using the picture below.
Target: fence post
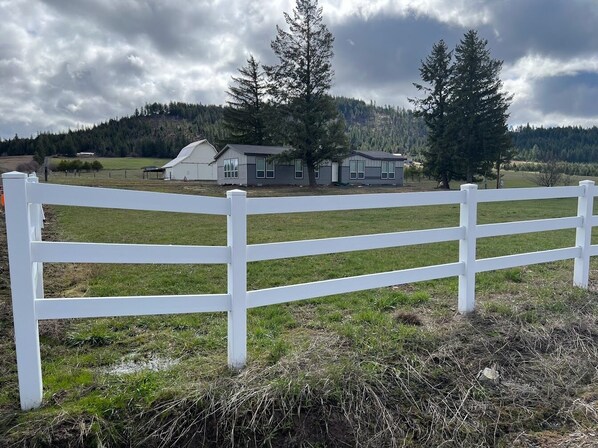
(583, 234)
(467, 248)
(36, 214)
(18, 231)
(237, 279)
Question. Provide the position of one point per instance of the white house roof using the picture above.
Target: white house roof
(184, 153)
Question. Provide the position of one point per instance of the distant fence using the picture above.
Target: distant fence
(130, 174)
(27, 253)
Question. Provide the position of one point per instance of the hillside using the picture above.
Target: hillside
(568, 143)
(161, 130)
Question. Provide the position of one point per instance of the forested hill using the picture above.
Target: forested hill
(370, 127)
(161, 130)
(569, 143)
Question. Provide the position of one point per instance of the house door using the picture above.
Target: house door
(334, 171)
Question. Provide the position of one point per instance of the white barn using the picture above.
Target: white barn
(194, 162)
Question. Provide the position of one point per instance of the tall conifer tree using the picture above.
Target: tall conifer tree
(245, 114)
(436, 71)
(300, 83)
(478, 108)
(465, 111)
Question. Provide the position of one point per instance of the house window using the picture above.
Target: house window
(356, 169)
(231, 168)
(270, 169)
(260, 167)
(264, 168)
(298, 169)
(388, 170)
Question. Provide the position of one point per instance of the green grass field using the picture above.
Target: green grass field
(385, 367)
(120, 163)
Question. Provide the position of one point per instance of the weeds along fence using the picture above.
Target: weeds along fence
(28, 253)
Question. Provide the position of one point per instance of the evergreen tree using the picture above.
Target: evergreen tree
(478, 108)
(436, 72)
(244, 116)
(68, 146)
(300, 83)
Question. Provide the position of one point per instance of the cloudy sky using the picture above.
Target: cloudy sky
(66, 64)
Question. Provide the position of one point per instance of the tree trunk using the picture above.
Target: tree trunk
(445, 181)
(311, 175)
(469, 175)
(497, 175)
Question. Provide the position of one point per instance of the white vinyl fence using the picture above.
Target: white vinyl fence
(27, 253)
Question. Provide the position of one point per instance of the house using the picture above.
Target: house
(373, 168)
(254, 165)
(194, 162)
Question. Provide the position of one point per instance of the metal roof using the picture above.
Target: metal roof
(253, 149)
(378, 155)
(184, 153)
(275, 150)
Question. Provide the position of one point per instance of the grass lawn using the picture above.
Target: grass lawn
(113, 167)
(387, 367)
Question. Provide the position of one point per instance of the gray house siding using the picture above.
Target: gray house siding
(284, 173)
(373, 172)
(242, 171)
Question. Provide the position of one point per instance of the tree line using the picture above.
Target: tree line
(162, 130)
(156, 130)
(78, 165)
(571, 169)
(572, 144)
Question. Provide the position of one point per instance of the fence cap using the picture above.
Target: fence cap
(14, 175)
(237, 192)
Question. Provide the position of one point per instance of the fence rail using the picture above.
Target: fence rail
(28, 253)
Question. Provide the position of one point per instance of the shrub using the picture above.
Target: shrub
(28, 167)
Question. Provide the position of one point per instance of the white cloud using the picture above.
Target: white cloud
(538, 66)
(468, 13)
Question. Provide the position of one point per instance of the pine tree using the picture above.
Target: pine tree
(436, 72)
(478, 108)
(300, 83)
(244, 116)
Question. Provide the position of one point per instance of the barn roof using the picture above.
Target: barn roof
(184, 153)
